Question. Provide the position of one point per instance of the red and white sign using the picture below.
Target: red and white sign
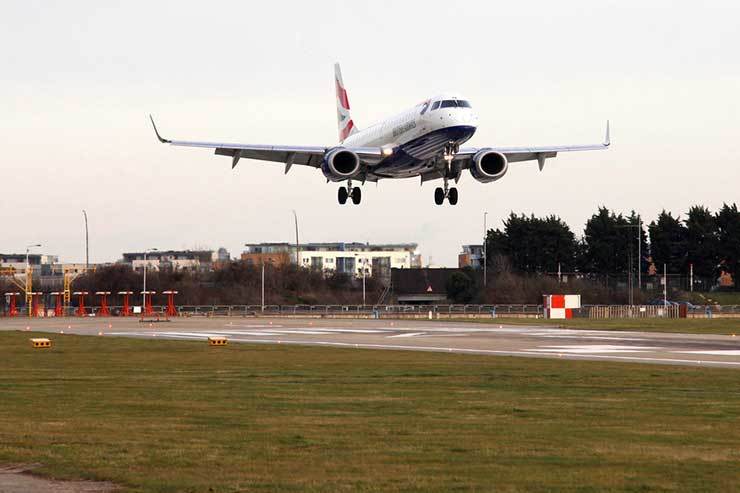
(561, 306)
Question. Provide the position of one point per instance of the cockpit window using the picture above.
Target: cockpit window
(425, 107)
(455, 103)
(435, 105)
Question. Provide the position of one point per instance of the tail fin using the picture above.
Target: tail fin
(344, 120)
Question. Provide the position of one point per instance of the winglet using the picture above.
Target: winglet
(162, 140)
(607, 139)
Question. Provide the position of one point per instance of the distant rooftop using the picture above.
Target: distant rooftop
(330, 246)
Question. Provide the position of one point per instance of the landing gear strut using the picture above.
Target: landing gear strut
(440, 194)
(355, 193)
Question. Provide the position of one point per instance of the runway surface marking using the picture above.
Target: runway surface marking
(458, 337)
(587, 356)
(253, 326)
(719, 352)
(595, 349)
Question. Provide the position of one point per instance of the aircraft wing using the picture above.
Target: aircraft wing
(290, 155)
(539, 154)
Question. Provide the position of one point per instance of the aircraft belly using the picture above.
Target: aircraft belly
(413, 157)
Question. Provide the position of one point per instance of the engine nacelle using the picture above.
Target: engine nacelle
(340, 164)
(489, 166)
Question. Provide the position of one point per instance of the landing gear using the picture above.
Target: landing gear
(440, 194)
(356, 196)
(451, 148)
(344, 193)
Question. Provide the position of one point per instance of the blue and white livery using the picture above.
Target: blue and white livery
(424, 141)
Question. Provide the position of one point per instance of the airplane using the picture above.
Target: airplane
(423, 141)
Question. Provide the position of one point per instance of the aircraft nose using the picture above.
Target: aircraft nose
(467, 117)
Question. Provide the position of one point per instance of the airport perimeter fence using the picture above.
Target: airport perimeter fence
(426, 311)
(377, 311)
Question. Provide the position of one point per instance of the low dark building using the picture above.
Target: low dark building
(421, 286)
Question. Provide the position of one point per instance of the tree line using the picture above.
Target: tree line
(708, 241)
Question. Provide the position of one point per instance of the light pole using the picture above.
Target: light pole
(485, 260)
(639, 253)
(87, 245)
(29, 278)
(28, 250)
(665, 287)
(639, 258)
(143, 294)
(297, 247)
(364, 269)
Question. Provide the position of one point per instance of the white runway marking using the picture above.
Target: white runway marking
(348, 331)
(303, 332)
(247, 333)
(447, 335)
(594, 349)
(254, 326)
(408, 334)
(719, 352)
(600, 338)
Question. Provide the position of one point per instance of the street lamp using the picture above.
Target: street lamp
(87, 247)
(143, 294)
(364, 269)
(29, 278)
(639, 257)
(28, 250)
(485, 282)
(297, 247)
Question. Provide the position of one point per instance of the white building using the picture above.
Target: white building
(16, 263)
(171, 260)
(345, 258)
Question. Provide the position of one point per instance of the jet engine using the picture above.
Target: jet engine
(340, 164)
(488, 166)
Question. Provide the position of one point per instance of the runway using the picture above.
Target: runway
(439, 336)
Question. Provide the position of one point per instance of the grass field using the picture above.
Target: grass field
(177, 416)
(721, 326)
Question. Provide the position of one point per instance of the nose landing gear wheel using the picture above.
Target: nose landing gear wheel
(452, 196)
(356, 196)
(342, 195)
(439, 196)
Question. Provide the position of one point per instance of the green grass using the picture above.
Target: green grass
(720, 326)
(177, 416)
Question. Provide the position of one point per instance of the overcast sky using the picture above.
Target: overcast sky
(79, 78)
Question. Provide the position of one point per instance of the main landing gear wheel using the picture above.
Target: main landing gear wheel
(440, 194)
(356, 196)
(342, 195)
(349, 192)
